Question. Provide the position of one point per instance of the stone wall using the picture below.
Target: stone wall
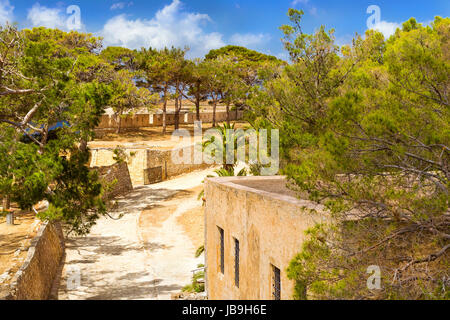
(119, 174)
(35, 278)
(162, 160)
(156, 120)
(147, 166)
(269, 223)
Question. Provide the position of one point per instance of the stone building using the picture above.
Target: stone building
(254, 227)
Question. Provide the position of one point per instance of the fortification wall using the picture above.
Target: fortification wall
(148, 166)
(156, 120)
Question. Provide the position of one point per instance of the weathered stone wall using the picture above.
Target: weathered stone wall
(268, 222)
(119, 174)
(147, 165)
(169, 169)
(35, 278)
(137, 159)
(156, 120)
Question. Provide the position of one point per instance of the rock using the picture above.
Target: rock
(176, 296)
(17, 253)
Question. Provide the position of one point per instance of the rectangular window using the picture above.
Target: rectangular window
(236, 262)
(222, 250)
(276, 283)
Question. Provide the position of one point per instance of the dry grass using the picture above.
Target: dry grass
(14, 238)
(154, 134)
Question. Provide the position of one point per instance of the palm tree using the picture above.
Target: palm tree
(229, 135)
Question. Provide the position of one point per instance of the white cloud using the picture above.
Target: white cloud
(295, 2)
(62, 18)
(41, 16)
(121, 5)
(6, 12)
(170, 26)
(249, 39)
(387, 28)
(283, 56)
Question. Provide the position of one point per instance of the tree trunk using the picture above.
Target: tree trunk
(165, 113)
(177, 114)
(237, 114)
(228, 113)
(214, 113)
(6, 203)
(7, 207)
(44, 139)
(181, 108)
(197, 101)
(83, 145)
(119, 124)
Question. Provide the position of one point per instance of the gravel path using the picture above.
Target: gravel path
(121, 261)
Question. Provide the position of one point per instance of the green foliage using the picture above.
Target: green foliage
(126, 97)
(241, 53)
(50, 77)
(120, 155)
(365, 132)
(121, 58)
(199, 251)
(198, 282)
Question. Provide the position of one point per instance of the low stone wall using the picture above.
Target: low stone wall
(160, 162)
(119, 174)
(156, 120)
(35, 278)
(137, 159)
(147, 166)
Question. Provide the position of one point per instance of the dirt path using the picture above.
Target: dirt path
(144, 255)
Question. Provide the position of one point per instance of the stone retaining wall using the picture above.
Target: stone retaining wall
(35, 278)
(119, 174)
(162, 164)
(147, 166)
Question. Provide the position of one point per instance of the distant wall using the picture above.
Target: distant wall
(35, 278)
(118, 173)
(156, 120)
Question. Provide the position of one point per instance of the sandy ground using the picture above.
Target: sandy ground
(193, 223)
(149, 137)
(14, 243)
(147, 254)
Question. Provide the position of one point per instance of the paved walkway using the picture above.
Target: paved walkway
(120, 260)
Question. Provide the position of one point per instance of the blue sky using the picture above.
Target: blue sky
(208, 24)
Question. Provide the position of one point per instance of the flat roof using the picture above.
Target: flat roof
(274, 187)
